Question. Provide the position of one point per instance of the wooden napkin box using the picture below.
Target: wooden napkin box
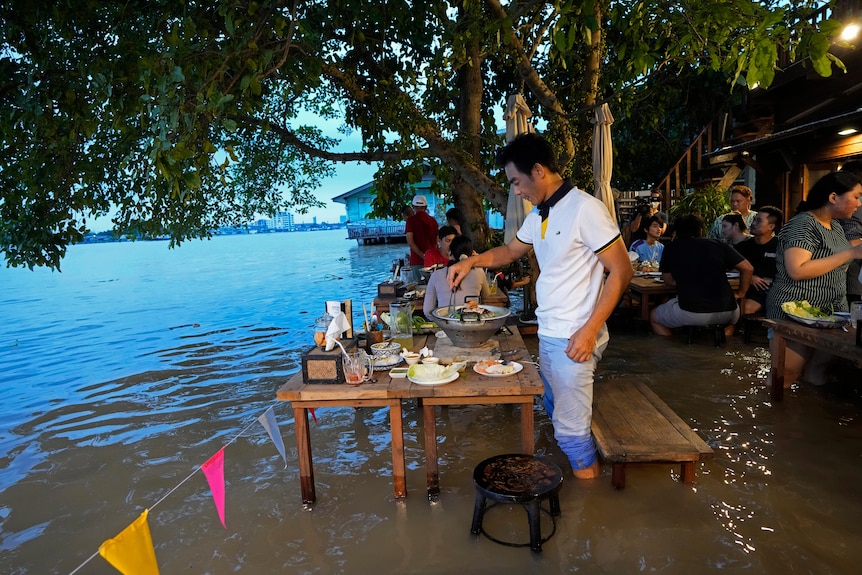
(387, 289)
(321, 366)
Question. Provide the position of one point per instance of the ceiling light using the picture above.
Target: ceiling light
(847, 131)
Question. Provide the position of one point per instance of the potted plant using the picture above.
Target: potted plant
(708, 202)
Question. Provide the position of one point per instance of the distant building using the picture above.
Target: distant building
(361, 227)
(283, 221)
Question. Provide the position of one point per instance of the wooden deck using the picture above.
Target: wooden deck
(377, 232)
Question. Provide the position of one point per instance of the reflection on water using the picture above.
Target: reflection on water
(124, 373)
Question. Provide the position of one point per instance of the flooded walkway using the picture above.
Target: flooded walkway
(781, 496)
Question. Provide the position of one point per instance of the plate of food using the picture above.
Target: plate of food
(382, 362)
(432, 374)
(497, 367)
(803, 312)
(648, 274)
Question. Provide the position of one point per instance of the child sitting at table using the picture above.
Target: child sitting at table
(649, 249)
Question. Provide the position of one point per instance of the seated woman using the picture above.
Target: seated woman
(734, 228)
(696, 267)
(811, 263)
(439, 254)
(437, 294)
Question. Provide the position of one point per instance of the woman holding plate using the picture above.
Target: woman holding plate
(811, 263)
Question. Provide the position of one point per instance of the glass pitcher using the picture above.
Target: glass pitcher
(401, 323)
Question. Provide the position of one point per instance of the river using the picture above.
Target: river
(125, 372)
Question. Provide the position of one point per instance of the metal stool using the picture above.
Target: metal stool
(518, 478)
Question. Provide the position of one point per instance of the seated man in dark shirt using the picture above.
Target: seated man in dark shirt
(696, 267)
(759, 250)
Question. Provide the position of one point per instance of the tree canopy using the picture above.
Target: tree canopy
(178, 117)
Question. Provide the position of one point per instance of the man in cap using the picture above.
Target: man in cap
(421, 230)
(575, 240)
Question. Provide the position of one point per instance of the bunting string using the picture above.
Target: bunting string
(131, 551)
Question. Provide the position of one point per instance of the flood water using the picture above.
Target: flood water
(120, 376)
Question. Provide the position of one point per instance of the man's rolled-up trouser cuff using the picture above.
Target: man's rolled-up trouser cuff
(581, 450)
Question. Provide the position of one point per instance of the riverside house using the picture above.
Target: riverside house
(369, 230)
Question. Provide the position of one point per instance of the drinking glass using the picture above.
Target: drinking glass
(492, 284)
(357, 367)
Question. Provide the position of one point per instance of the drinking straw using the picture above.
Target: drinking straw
(367, 325)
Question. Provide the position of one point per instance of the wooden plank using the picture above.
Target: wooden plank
(631, 424)
(486, 400)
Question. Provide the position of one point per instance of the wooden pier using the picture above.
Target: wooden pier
(377, 232)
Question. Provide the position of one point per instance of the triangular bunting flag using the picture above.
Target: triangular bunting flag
(214, 471)
(271, 425)
(131, 551)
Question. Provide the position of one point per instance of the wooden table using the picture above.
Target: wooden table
(469, 388)
(835, 341)
(646, 287)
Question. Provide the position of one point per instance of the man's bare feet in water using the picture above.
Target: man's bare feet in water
(590, 472)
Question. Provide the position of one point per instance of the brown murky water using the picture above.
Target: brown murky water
(782, 494)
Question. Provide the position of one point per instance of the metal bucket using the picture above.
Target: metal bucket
(467, 331)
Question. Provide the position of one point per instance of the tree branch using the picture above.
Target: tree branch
(546, 97)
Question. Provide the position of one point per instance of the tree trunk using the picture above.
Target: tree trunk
(467, 199)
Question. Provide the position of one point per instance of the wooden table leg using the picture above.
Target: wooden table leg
(644, 306)
(618, 475)
(776, 371)
(689, 472)
(303, 451)
(528, 441)
(429, 416)
(398, 466)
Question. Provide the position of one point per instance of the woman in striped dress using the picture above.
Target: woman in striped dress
(812, 259)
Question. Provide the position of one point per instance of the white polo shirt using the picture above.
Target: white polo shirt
(579, 228)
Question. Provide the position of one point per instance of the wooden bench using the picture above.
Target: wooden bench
(632, 425)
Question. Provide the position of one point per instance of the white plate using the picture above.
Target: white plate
(732, 274)
(443, 381)
(834, 321)
(389, 361)
(518, 367)
(648, 274)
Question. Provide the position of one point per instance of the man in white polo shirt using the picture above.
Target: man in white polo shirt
(575, 240)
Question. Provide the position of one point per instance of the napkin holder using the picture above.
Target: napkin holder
(395, 289)
(390, 289)
(321, 366)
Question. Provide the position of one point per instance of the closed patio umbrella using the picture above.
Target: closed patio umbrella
(517, 115)
(603, 157)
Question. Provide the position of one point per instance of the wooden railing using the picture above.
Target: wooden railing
(681, 176)
(375, 229)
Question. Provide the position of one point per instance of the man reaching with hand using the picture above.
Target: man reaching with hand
(575, 240)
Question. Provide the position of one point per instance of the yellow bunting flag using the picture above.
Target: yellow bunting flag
(131, 551)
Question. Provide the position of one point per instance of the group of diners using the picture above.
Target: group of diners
(806, 258)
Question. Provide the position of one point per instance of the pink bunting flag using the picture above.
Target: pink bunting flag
(214, 471)
(267, 420)
(131, 552)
